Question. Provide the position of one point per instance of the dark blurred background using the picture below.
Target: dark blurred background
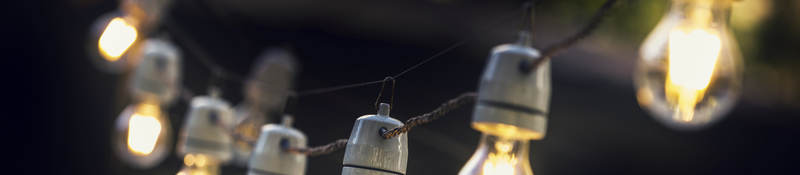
(64, 123)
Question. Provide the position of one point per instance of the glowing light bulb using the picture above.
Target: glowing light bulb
(499, 156)
(199, 164)
(511, 109)
(248, 123)
(143, 131)
(112, 41)
(689, 72)
(117, 37)
(143, 135)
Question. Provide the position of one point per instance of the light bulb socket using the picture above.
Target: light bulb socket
(157, 75)
(513, 103)
(269, 155)
(206, 129)
(369, 153)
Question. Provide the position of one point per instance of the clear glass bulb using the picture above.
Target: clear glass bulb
(499, 156)
(689, 70)
(142, 135)
(246, 131)
(199, 164)
(113, 36)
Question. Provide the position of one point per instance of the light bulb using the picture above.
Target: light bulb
(113, 37)
(248, 123)
(143, 135)
(271, 81)
(511, 110)
(118, 36)
(199, 164)
(498, 155)
(689, 71)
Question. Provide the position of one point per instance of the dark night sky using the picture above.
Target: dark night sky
(65, 120)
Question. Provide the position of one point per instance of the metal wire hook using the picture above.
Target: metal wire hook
(380, 94)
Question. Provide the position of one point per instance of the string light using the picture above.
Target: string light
(113, 37)
(143, 130)
(369, 153)
(143, 135)
(118, 36)
(205, 141)
(511, 110)
(689, 71)
(270, 157)
(511, 106)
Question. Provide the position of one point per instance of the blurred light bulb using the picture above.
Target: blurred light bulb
(113, 38)
(271, 81)
(205, 140)
(499, 156)
(143, 135)
(157, 75)
(248, 123)
(143, 131)
(511, 110)
(118, 36)
(689, 73)
(199, 164)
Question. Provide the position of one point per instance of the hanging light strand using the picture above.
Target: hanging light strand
(527, 12)
(442, 110)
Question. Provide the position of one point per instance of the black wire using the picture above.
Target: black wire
(396, 76)
(380, 93)
(224, 74)
(336, 88)
(587, 30)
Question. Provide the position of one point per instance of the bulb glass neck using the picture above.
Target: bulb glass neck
(499, 156)
(703, 13)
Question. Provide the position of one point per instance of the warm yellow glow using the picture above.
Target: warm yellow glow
(692, 57)
(118, 36)
(144, 129)
(201, 161)
(506, 131)
(501, 162)
(188, 160)
(199, 164)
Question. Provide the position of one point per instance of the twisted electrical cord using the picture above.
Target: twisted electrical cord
(431, 116)
(587, 30)
(410, 123)
(319, 150)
